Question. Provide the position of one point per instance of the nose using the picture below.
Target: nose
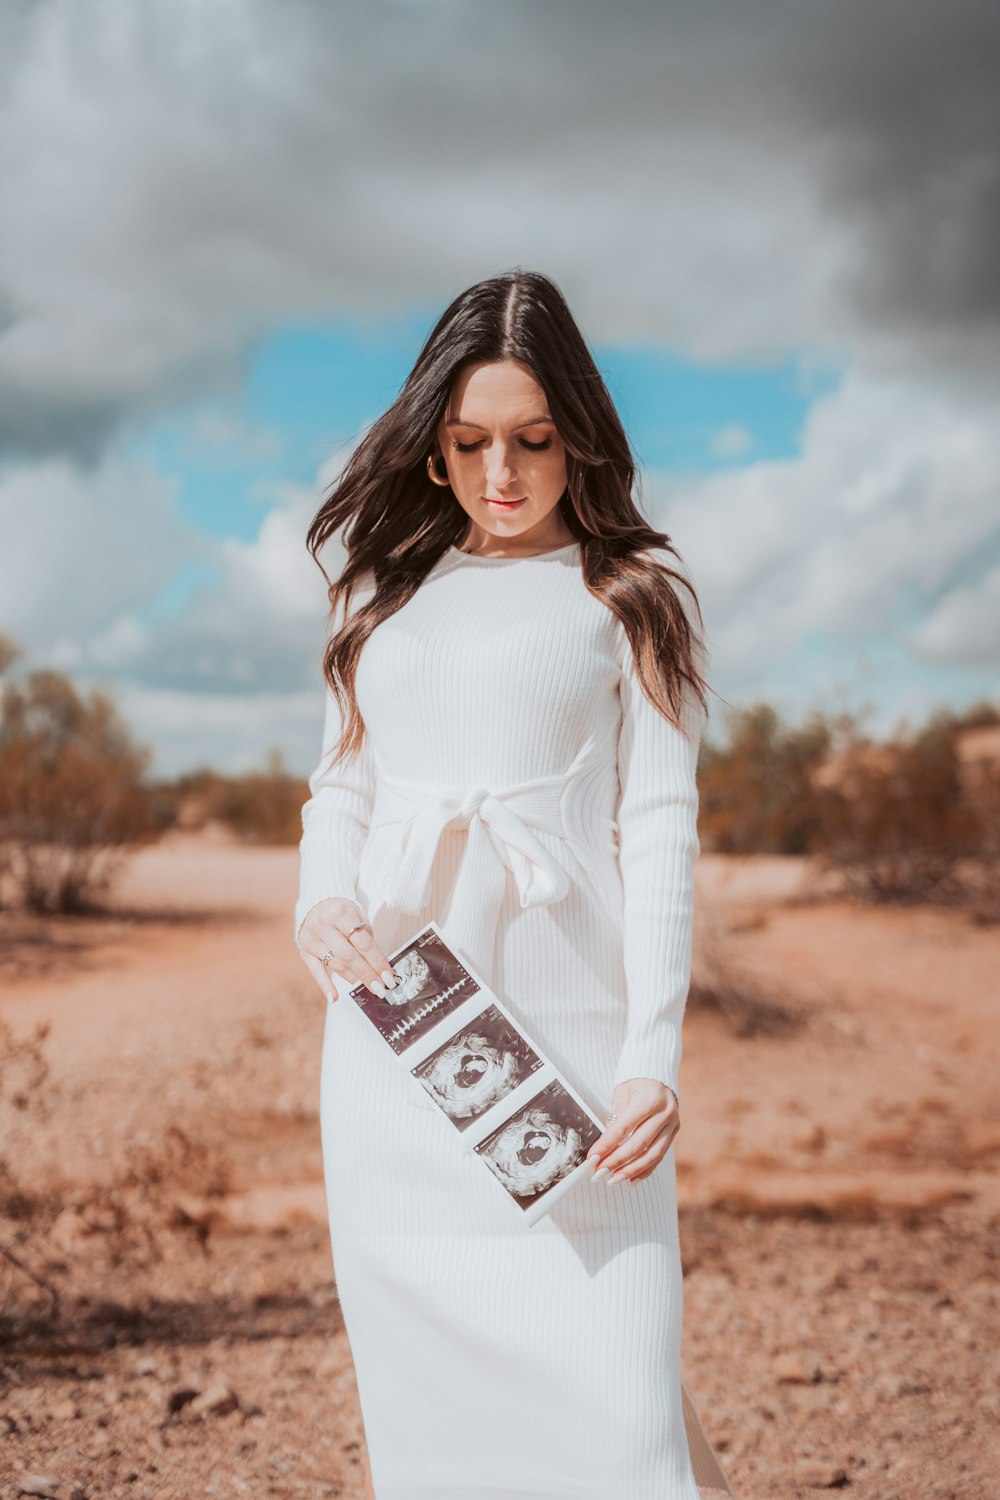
(499, 470)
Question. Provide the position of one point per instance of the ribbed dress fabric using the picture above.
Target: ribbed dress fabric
(494, 1359)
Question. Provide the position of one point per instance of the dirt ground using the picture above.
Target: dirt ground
(838, 1165)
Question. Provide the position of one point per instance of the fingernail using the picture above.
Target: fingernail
(330, 996)
(377, 988)
(389, 978)
(599, 1172)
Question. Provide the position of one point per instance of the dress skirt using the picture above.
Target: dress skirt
(496, 1360)
(519, 790)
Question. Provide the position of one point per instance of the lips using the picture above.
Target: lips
(505, 504)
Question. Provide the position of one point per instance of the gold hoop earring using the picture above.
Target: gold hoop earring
(432, 470)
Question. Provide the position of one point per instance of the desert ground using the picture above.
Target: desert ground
(167, 1293)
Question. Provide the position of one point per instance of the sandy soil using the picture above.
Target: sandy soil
(839, 1176)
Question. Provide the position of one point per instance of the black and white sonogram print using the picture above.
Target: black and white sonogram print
(477, 1067)
(433, 984)
(539, 1145)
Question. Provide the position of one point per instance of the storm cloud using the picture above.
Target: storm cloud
(731, 181)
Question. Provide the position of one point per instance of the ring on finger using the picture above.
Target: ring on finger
(361, 927)
(633, 1160)
(326, 957)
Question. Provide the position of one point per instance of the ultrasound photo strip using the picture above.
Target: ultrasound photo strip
(506, 1101)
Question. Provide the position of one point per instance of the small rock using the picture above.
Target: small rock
(179, 1397)
(40, 1484)
(216, 1401)
(798, 1369)
(819, 1475)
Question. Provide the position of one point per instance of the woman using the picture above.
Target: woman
(508, 639)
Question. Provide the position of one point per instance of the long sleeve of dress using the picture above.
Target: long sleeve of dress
(658, 846)
(336, 817)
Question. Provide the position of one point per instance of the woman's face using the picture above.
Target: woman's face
(500, 444)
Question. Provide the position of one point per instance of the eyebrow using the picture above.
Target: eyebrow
(458, 422)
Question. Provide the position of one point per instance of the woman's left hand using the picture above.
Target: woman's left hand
(636, 1141)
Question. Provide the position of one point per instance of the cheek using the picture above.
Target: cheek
(551, 473)
(466, 473)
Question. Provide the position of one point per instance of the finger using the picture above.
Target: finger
(661, 1110)
(378, 967)
(615, 1133)
(633, 1144)
(337, 956)
(338, 932)
(325, 981)
(344, 957)
(646, 1161)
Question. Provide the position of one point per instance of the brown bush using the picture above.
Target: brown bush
(757, 793)
(916, 818)
(899, 821)
(72, 803)
(262, 807)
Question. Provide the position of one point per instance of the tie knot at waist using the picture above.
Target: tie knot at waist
(502, 826)
(469, 806)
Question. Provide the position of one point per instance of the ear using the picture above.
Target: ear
(434, 458)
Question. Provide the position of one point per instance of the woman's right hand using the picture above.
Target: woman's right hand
(324, 933)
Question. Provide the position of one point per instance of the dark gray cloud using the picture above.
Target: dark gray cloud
(903, 102)
(731, 181)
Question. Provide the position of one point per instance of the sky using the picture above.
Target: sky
(226, 230)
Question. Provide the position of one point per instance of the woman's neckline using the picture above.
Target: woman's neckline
(484, 557)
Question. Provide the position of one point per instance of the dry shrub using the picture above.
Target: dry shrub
(72, 803)
(261, 807)
(902, 823)
(757, 792)
(52, 1238)
(25, 1088)
(50, 1241)
(912, 819)
(24, 1068)
(134, 1212)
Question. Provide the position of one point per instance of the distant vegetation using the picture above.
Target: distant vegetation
(263, 807)
(75, 799)
(914, 819)
(72, 801)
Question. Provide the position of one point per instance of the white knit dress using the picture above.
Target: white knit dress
(495, 1359)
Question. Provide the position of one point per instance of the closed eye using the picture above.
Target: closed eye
(533, 447)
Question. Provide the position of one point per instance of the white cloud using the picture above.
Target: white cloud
(232, 732)
(893, 493)
(83, 547)
(963, 629)
(273, 577)
(874, 524)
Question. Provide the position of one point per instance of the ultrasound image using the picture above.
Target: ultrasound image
(477, 1067)
(434, 984)
(540, 1144)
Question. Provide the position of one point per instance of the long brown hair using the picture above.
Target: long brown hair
(397, 523)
